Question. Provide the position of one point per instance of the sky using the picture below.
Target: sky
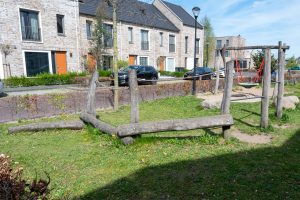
(260, 22)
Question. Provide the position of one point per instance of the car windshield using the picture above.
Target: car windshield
(130, 68)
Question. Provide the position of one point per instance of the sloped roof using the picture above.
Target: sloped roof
(132, 11)
(185, 17)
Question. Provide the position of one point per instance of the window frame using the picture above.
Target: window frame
(197, 45)
(20, 9)
(130, 35)
(147, 57)
(58, 16)
(186, 43)
(171, 35)
(105, 36)
(148, 39)
(161, 39)
(219, 46)
(90, 24)
(167, 63)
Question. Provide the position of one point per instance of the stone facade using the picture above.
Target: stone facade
(233, 41)
(11, 34)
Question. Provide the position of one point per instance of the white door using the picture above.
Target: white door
(1, 67)
(171, 64)
(190, 63)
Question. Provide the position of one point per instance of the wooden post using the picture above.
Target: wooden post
(134, 96)
(91, 109)
(225, 108)
(264, 121)
(281, 60)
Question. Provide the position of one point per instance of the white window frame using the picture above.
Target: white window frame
(143, 29)
(90, 22)
(167, 63)
(40, 24)
(63, 25)
(130, 34)
(174, 42)
(139, 61)
(37, 51)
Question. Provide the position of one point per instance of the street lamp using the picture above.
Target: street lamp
(196, 11)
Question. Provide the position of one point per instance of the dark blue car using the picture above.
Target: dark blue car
(202, 73)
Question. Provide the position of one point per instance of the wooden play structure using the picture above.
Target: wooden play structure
(128, 131)
(264, 74)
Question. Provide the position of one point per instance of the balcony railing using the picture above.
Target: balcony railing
(31, 33)
(145, 45)
(171, 48)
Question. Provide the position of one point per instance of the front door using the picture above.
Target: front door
(162, 61)
(132, 60)
(61, 62)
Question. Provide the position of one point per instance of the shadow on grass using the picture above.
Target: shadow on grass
(267, 173)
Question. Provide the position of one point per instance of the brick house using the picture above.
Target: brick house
(53, 36)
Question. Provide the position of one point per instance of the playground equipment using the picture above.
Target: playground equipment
(264, 72)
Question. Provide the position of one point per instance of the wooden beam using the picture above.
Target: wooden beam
(281, 61)
(225, 107)
(256, 47)
(73, 125)
(175, 125)
(102, 126)
(264, 122)
(91, 109)
(134, 96)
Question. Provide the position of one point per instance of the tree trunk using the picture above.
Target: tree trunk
(74, 125)
(115, 59)
(174, 125)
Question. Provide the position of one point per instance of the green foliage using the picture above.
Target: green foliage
(292, 62)
(258, 57)
(43, 79)
(105, 73)
(209, 41)
(122, 64)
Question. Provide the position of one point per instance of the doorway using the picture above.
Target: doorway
(61, 62)
(132, 60)
(162, 61)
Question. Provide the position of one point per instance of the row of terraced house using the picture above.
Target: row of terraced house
(41, 36)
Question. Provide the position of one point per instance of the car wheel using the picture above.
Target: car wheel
(153, 80)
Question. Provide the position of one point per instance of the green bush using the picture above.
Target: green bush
(122, 64)
(103, 73)
(173, 74)
(43, 79)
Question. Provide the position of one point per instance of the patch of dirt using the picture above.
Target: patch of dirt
(252, 139)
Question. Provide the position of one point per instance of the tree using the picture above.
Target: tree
(209, 42)
(258, 58)
(97, 43)
(292, 62)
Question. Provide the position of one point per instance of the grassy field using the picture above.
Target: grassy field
(196, 164)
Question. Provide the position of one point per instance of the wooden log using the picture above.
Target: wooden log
(91, 109)
(280, 93)
(134, 96)
(264, 122)
(73, 125)
(174, 125)
(102, 126)
(225, 106)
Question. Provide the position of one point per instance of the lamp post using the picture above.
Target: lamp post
(196, 11)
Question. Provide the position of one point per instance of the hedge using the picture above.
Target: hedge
(173, 74)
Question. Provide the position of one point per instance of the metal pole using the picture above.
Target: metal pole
(194, 74)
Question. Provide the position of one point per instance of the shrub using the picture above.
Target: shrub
(43, 79)
(122, 64)
(13, 186)
(104, 73)
(173, 74)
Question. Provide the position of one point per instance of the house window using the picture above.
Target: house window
(171, 64)
(145, 40)
(30, 25)
(185, 62)
(130, 35)
(108, 38)
(186, 44)
(226, 53)
(171, 43)
(107, 62)
(217, 53)
(197, 62)
(197, 46)
(60, 24)
(219, 44)
(161, 34)
(227, 43)
(37, 63)
(89, 29)
(143, 60)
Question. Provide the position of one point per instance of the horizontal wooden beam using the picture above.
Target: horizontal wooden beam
(175, 125)
(255, 47)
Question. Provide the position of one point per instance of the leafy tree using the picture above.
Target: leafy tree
(209, 41)
(292, 62)
(258, 58)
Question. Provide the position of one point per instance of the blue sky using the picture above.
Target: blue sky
(261, 22)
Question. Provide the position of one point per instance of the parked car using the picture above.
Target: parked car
(1, 88)
(145, 74)
(202, 73)
(222, 73)
(295, 68)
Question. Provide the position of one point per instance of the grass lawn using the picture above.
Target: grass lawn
(173, 165)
